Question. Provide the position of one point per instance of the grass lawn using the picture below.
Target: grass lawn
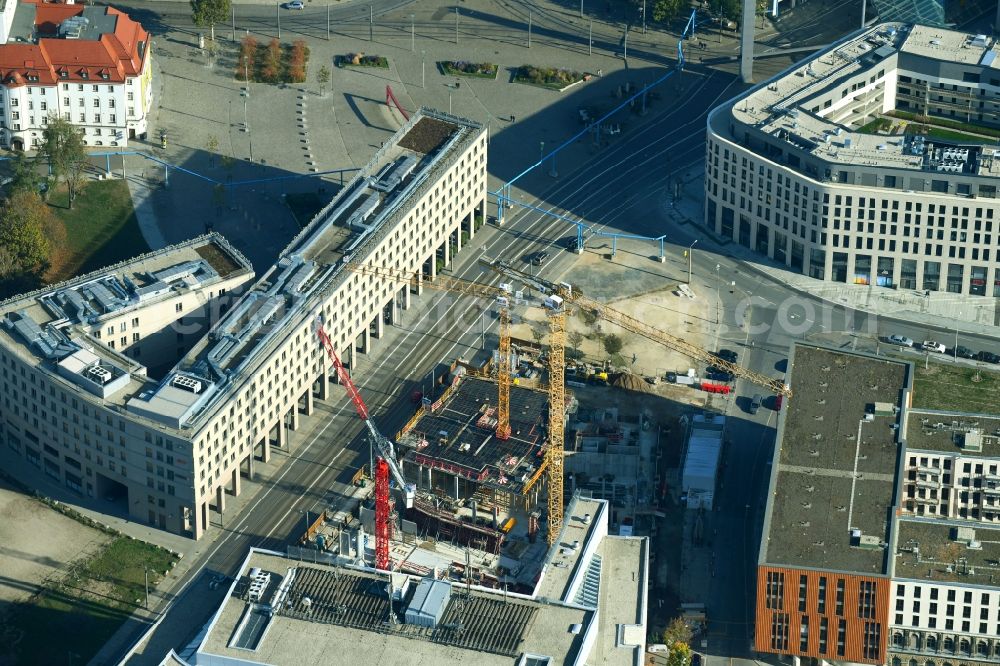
(933, 132)
(101, 229)
(950, 387)
(304, 206)
(81, 612)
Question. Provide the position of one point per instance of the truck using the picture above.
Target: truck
(688, 378)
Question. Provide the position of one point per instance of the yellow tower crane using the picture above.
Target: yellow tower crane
(554, 451)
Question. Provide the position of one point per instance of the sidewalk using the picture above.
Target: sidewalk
(969, 314)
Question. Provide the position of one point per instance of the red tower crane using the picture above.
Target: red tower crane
(385, 464)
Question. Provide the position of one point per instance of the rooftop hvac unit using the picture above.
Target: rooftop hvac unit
(98, 374)
(186, 383)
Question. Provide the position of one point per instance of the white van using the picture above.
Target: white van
(553, 302)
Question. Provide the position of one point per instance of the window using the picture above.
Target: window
(97, 101)
(111, 118)
(779, 631)
(821, 600)
(129, 95)
(803, 582)
(840, 597)
(841, 637)
(178, 307)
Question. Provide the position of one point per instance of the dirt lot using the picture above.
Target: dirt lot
(37, 542)
(636, 285)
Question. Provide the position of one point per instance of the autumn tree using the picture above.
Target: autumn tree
(24, 221)
(270, 70)
(680, 654)
(678, 631)
(247, 60)
(210, 12)
(297, 62)
(63, 146)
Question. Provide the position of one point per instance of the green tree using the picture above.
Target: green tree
(680, 654)
(24, 220)
(322, 78)
(212, 147)
(730, 9)
(667, 10)
(62, 145)
(23, 175)
(612, 344)
(210, 12)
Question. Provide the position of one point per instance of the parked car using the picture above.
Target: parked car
(727, 355)
(988, 357)
(295, 4)
(718, 374)
(671, 377)
(934, 346)
(962, 352)
(901, 340)
(755, 403)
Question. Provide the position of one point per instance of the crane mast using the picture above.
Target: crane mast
(385, 464)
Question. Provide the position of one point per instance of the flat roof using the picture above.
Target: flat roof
(315, 262)
(349, 616)
(782, 107)
(622, 601)
(834, 472)
(564, 563)
(47, 327)
(460, 435)
(938, 551)
(945, 432)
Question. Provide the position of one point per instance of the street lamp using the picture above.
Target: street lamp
(423, 69)
(689, 253)
(245, 93)
(718, 298)
(413, 35)
(955, 350)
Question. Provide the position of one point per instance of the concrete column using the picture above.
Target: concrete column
(200, 519)
(220, 498)
(406, 297)
(379, 324)
(458, 239)
(236, 482)
(746, 46)
(324, 384)
(309, 402)
(430, 478)
(433, 272)
(366, 340)
(420, 475)
(447, 251)
(456, 487)
(250, 460)
(293, 424)
(265, 448)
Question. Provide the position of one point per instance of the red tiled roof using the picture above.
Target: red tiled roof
(116, 54)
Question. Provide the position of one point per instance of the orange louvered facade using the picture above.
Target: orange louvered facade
(822, 614)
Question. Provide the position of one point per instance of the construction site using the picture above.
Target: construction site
(472, 487)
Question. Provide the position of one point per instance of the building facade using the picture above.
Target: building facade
(89, 65)
(233, 377)
(790, 174)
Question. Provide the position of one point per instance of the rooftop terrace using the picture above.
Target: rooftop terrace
(833, 481)
(788, 106)
(949, 432)
(934, 550)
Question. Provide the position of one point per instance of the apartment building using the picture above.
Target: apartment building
(881, 543)
(237, 384)
(89, 65)
(790, 175)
